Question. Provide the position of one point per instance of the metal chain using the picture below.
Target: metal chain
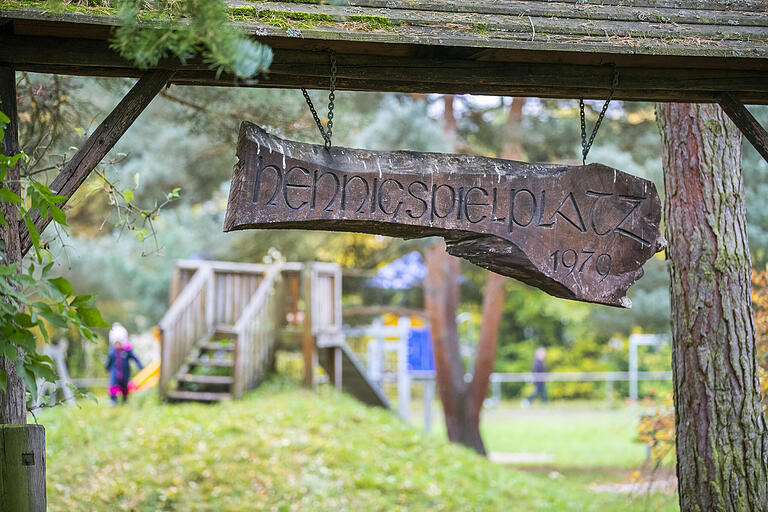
(325, 133)
(585, 146)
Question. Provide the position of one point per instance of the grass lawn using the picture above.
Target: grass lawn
(581, 436)
(283, 448)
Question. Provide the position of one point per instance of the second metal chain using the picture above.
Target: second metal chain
(326, 133)
(586, 145)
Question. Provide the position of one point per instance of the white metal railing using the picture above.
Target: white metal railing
(385, 349)
(608, 377)
(189, 318)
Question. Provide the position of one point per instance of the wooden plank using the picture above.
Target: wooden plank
(218, 363)
(101, 141)
(520, 32)
(293, 69)
(229, 347)
(749, 126)
(22, 468)
(553, 19)
(577, 232)
(563, 7)
(206, 379)
(308, 339)
(198, 396)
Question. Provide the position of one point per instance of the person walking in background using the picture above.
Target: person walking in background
(539, 382)
(119, 362)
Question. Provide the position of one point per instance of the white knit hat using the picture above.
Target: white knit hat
(117, 333)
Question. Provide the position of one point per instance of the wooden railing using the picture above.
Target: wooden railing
(256, 333)
(258, 304)
(189, 318)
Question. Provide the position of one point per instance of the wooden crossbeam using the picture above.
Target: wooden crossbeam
(515, 75)
(749, 126)
(101, 141)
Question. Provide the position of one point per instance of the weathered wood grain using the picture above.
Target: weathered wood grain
(581, 232)
(13, 400)
(295, 68)
(749, 126)
(22, 468)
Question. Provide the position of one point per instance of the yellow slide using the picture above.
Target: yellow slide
(146, 378)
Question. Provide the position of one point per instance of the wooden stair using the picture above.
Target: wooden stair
(354, 379)
(207, 372)
(198, 396)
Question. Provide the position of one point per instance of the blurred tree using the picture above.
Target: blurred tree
(462, 401)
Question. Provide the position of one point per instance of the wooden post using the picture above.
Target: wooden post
(22, 468)
(338, 370)
(13, 401)
(308, 340)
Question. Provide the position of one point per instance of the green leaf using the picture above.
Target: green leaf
(4, 119)
(24, 340)
(141, 234)
(23, 320)
(34, 234)
(9, 196)
(8, 270)
(83, 301)
(128, 195)
(8, 351)
(3, 381)
(50, 292)
(29, 380)
(55, 319)
(58, 215)
(44, 332)
(92, 317)
(63, 285)
(3, 222)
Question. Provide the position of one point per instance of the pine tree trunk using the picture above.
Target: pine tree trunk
(13, 401)
(722, 446)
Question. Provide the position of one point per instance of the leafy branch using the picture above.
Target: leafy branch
(34, 301)
(129, 215)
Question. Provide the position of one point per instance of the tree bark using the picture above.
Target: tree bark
(441, 297)
(13, 407)
(722, 446)
(493, 295)
(462, 401)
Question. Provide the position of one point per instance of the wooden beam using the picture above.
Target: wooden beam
(443, 73)
(743, 118)
(101, 141)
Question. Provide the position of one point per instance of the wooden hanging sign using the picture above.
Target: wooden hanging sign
(577, 232)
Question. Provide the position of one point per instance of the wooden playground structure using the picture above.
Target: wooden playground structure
(226, 320)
